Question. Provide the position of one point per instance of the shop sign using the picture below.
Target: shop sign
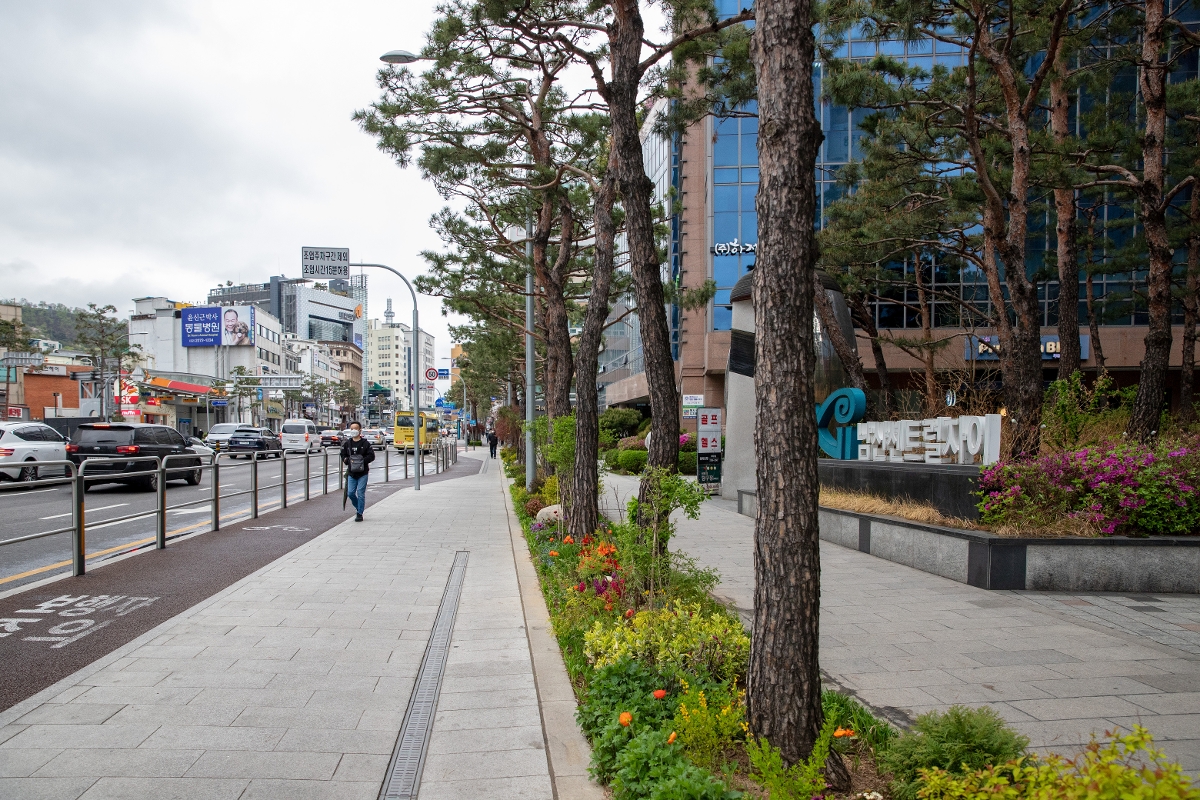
(733, 248)
(708, 470)
(942, 440)
(987, 348)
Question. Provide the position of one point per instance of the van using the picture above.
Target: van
(300, 434)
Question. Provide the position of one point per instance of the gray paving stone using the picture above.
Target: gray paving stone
(530, 788)
(166, 789)
(69, 714)
(44, 788)
(21, 763)
(211, 737)
(310, 790)
(138, 763)
(82, 736)
(329, 740)
(253, 765)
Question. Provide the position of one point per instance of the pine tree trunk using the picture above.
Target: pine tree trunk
(784, 682)
(932, 398)
(1191, 309)
(1093, 318)
(583, 516)
(625, 37)
(1070, 356)
(1152, 386)
(849, 358)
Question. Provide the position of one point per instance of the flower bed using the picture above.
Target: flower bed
(1122, 488)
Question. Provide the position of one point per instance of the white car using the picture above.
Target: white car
(376, 437)
(218, 435)
(300, 435)
(23, 444)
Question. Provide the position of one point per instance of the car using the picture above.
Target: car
(200, 447)
(218, 435)
(331, 438)
(26, 443)
(102, 444)
(300, 434)
(254, 443)
(375, 437)
(389, 436)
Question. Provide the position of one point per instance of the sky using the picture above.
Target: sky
(159, 148)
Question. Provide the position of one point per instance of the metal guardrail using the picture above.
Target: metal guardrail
(156, 474)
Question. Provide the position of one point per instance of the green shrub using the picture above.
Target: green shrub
(676, 641)
(633, 461)
(607, 441)
(619, 422)
(644, 426)
(1127, 768)
(846, 712)
(709, 720)
(961, 740)
(801, 781)
(626, 685)
(612, 459)
(550, 490)
(687, 463)
(651, 768)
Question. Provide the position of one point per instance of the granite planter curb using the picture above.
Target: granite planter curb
(977, 558)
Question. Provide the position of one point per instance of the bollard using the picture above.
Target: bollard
(307, 471)
(406, 463)
(216, 493)
(160, 542)
(78, 567)
(283, 480)
(386, 476)
(254, 486)
(341, 475)
(324, 471)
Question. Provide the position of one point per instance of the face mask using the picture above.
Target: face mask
(356, 433)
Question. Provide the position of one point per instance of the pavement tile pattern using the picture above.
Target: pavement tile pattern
(1057, 666)
(293, 683)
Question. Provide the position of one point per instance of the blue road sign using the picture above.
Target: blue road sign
(219, 403)
(439, 402)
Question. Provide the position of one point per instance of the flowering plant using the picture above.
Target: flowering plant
(1121, 488)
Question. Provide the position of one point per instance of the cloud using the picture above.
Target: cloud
(165, 147)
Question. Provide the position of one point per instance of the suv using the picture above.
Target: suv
(218, 435)
(300, 434)
(375, 437)
(103, 444)
(254, 443)
(26, 443)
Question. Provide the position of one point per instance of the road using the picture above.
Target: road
(44, 508)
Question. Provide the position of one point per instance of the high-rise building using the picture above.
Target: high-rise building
(387, 360)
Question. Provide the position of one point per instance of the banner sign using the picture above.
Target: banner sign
(210, 326)
(708, 469)
(325, 262)
(987, 348)
(943, 440)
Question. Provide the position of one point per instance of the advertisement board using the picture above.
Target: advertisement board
(212, 326)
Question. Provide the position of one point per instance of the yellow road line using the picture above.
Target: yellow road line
(99, 553)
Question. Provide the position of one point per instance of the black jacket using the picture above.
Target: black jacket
(359, 447)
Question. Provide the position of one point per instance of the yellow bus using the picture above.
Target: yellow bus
(404, 430)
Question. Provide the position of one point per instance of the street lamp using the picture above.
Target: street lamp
(414, 377)
(398, 57)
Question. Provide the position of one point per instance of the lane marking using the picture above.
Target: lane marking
(28, 492)
(90, 510)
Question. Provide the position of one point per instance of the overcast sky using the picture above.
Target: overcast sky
(160, 148)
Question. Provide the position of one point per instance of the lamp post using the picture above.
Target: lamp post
(530, 465)
(414, 375)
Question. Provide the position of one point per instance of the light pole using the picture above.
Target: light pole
(415, 369)
(530, 466)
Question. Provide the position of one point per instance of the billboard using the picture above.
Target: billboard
(210, 326)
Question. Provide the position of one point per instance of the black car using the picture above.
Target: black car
(103, 443)
(331, 438)
(254, 442)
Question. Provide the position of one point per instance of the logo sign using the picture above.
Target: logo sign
(942, 440)
(14, 412)
(708, 421)
(219, 403)
(431, 374)
(987, 348)
(210, 326)
(130, 412)
(443, 374)
(325, 262)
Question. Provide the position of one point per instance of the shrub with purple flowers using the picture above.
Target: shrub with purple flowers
(1122, 488)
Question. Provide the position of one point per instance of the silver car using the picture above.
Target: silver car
(218, 435)
(23, 444)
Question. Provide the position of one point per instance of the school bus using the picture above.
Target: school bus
(404, 430)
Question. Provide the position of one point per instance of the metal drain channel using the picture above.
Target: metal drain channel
(404, 772)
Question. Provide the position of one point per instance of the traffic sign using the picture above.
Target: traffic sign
(439, 402)
(431, 374)
(443, 374)
(325, 262)
(219, 403)
(281, 381)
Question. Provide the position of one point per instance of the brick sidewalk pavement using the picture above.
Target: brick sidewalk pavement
(294, 682)
(1057, 666)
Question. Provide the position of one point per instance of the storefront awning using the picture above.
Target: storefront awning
(177, 382)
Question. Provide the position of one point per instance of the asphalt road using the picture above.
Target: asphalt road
(45, 508)
(49, 632)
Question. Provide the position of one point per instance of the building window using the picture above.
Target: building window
(735, 222)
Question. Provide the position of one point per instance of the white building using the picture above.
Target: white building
(313, 358)
(387, 358)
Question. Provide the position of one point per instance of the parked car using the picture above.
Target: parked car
(300, 434)
(255, 443)
(331, 438)
(104, 443)
(375, 437)
(218, 435)
(26, 443)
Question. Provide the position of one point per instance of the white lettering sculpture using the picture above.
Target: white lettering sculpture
(943, 440)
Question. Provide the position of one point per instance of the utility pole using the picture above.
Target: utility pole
(530, 465)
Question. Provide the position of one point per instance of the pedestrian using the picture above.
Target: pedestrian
(357, 455)
(493, 440)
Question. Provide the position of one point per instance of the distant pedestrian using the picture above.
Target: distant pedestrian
(493, 440)
(357, 455)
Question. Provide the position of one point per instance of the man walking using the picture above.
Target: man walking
(357, 455)
(493, 440)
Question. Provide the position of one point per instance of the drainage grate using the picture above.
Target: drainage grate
(404, 773)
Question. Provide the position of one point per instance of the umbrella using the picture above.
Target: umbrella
(345, 492)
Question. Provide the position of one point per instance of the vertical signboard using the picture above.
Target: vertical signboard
(691, 405)
(708, 448)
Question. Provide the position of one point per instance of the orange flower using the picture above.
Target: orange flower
(568, 540)
(608, 606)
(625, 719)
(840, 732)
(659, 694)
(553, 553)
(671, 738)
(629, 614)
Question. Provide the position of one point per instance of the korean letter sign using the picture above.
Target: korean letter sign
(201, 326)
(325, 262)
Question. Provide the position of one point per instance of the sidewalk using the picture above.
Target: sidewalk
(294, 681)
(1056, 666)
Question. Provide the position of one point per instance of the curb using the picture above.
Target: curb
(567, 751)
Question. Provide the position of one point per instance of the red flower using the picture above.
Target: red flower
(625, 719)
(659, 694)
(629, 614)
